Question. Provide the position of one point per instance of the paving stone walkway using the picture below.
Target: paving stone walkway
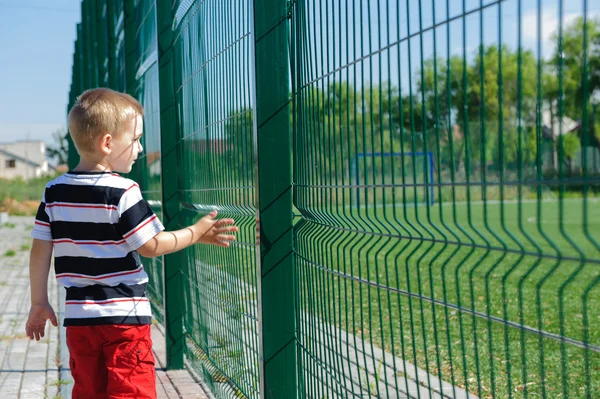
(39, 370)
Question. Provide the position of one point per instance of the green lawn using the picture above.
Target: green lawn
(436, 289)
(482, 258)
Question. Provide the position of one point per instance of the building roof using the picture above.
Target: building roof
(19, 158)
(551, 124)
(10, 143)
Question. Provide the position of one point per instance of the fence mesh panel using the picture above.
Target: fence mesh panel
(213, 60)
(446, 179)
(491, 288)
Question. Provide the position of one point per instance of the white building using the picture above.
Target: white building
(25, 159)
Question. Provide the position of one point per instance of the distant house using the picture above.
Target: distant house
(551, 125)
(24, 159)
(551, 131)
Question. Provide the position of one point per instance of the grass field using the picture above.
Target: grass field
(498, 299)
(22, 197)
(479, 296)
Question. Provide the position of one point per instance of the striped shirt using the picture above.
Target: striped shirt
(96, 222)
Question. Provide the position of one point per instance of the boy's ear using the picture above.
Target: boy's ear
(106, 143)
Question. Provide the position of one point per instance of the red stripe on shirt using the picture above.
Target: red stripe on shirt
(83, 276)
(106, 301)
(130, 187)
(139, 227)
(112, 207)
(42, 223)
(66, 240)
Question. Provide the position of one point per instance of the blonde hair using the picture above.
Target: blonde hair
(100, 111)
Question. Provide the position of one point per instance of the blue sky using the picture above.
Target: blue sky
(349, 28)
(36, 50)
(37, 38)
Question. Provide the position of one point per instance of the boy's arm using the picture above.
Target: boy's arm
(205, 231)
(41, 310)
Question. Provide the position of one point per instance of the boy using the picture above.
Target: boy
(97, 223)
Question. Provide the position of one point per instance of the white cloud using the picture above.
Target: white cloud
(549, 18)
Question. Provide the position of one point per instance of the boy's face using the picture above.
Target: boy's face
(127, 146)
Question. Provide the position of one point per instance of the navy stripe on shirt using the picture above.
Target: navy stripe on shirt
(85, 231)
(41, 214)
(84, 194)
(99, 321)
(95, 266)
(132, 217)
(99, 292)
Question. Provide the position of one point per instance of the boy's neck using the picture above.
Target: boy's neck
(92, 165)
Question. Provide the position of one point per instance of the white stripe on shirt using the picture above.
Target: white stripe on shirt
(86, 213)
(110, 308)
(91, 249)
(132, 277)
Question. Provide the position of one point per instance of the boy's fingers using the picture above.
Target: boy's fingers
(221, 222)
(212, 214)
(36, 331)
(53, 320)
(227, 229)
(33, 333)
(29, 330)
(225, 237)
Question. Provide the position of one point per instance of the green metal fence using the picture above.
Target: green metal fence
(212, 55)
(426, 175)
(142, 83)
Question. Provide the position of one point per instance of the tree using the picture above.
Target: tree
(239, 144)
(567, 64)
(571, 146)
(59, 149)
(569, 60)
(486, 99)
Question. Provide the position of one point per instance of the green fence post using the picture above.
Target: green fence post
(79, 84)
(86, 66)
(130, 48)
(111, 23)
(100, 31)
(274, 160)
(174, 305)
(72, 156)
(93, 43)
(76, 89)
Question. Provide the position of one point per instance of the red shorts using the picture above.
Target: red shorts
(112, 362)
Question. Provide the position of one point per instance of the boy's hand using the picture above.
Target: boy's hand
(215, 232)
(36, 323)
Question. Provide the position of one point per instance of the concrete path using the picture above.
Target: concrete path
(39, 370)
